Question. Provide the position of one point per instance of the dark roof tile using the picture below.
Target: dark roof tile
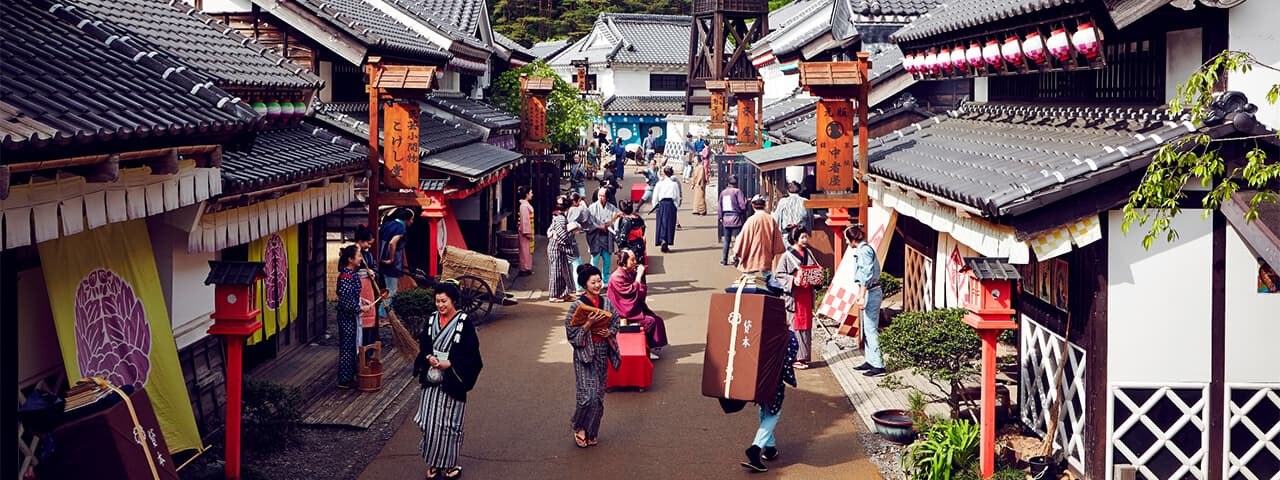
(889, 8)
(374, 28)
(474, 111)
(290, 155)
(954, 15)
(457, 19)
(634, 38)
(624, 105)
(470, 161)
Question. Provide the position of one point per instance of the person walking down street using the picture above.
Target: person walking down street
(392, 264)
(732, 214)
(447, 367)
(349, 310)
(699, 186)
(595, 347)
(698, 147)
(619, 158)
(765, 446)
(593, 158)
(561, 250)
(650, 147)
(579, 220)
(690, 155)
(651, 179)
(600, 237)
(578, 175)
(866, 277)
(791, 210)
(760, 242)
(799, 298)
(526, 230)
(629, 231)
(627, 293)
(667, 199)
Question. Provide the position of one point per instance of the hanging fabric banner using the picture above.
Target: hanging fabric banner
(952, 285)
(278, 297)
(112, 321)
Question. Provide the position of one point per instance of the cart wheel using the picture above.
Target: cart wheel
(476, 296)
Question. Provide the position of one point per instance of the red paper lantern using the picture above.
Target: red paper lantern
(1033, 48)
(1086, 40)
(1058, 45)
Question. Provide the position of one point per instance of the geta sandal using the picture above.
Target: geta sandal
(580, 439)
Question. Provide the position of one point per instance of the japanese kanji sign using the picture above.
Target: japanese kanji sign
(717, 106)
(400, 142)
(835, 146)
(747, 134)
(535, 119)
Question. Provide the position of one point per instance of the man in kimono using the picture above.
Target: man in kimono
(667, 198)
(760, 242)
(602, 214)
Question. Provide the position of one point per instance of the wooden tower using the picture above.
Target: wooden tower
(721, 36)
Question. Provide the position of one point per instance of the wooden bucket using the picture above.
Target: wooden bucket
(369, 368)
(509, 245)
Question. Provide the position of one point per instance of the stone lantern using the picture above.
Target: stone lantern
(235, 317)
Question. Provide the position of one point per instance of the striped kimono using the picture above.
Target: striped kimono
(442, 405)
(562, 249)
(591, 358)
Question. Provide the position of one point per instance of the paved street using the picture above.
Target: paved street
(517, 421)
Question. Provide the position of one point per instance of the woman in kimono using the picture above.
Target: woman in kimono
(579, 220)
(630, 231)
(595, 346)
(447, 367)
(562, 248)
(526, 229)
(349, 310)
(628, 294)
(799, 299)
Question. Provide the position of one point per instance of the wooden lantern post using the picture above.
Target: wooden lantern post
(747, 93)
(992, 283)
(719, 105)
(235, 317)
(394, 112)
(533, 118)
(843, 88)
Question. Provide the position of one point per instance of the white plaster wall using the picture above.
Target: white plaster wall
(223, 6)
(1183, 55)
(182, 277)
(605, 82)
(1158, 302)
(1253, 326)
(777, 84)
(980, 89)
(634, 83)
(1253, 29)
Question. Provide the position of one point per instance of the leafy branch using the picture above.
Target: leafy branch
(1155, 201)
(568, 114)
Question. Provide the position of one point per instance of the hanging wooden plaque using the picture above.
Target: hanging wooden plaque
(835, 145)
(747, 135)
(400, 133)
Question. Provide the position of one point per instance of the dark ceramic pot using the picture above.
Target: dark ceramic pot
(894, 425)
(1042, 467)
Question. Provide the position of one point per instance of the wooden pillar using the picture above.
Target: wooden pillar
(864, 95)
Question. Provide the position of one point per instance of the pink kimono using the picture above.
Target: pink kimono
(526, 233)
(627, 295)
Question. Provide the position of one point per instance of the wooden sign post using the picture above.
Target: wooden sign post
(747, 93)
(402, 146)
(533, 118)
(719, 106)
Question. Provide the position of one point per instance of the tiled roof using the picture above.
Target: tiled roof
(207, 46)
(233, 273)
(790, 13)
(512, 45)
(63, 84)
(993, 156)
(805, 128)
(470, 161)
(633, 38)
(992, 268)
(374, 28)
(954, 15)
(456, 19)
(546, 50)
(621, 105)
(434, 133)
(778, 153)
(290, 155)
(475, 111)
(785, 109)
(884, 8)
(808, 24)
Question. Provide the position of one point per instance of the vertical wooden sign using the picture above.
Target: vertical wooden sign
(582, 79)
(835, 145)
(400, 169)
(747, 121)
(717, 106)
(535, 118)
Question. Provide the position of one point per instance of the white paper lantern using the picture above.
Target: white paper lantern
(1033, 48)
(974, 55)
(1086, 40)
(1012, 51)
(1058, 45)
(991, 53)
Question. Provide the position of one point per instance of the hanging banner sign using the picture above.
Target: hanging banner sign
(535, 119)
(835, 146)
(747, 121)
(400, 133)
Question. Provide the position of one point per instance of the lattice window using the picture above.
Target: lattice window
(54, 381)
(1253, 429)
(1161, 430)
(662, 82)
(1041, 356)
(917, 281)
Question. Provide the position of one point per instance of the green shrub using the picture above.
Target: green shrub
(937, 345)
(948, 450)
(414, 306)
(269, 414)
(890, 285)
(1009, 474)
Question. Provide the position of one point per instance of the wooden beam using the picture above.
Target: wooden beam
(166, 164)
(4, 182)
(102, 172)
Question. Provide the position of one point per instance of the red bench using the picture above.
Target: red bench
(636, 370)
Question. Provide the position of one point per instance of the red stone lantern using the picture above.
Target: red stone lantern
(235, 317)
(992, 282)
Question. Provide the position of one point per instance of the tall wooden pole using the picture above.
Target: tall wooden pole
(373, 69)
(864, 94)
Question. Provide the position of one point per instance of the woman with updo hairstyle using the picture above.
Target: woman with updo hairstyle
(447, 367)
(628, 293)
(630, 231)
(799, 298)
(595, 345)
(562, 248)
(349, 309)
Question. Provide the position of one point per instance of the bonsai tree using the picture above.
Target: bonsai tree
(414, 306)
(937, 345)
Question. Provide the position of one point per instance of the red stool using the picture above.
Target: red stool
(637, 192)
(636, 370)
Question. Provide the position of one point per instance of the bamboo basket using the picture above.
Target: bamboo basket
(457, 262)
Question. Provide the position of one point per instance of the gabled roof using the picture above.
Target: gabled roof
(290, 155)
(64, 85)
(547, 50)
(810, 22)
(233, 273)
(208, 47)
(790, 13)
(375, 29)
(518, 51)
(955, 16)
(633, 38)
(623, 105)
(480, 113)
(457, 19)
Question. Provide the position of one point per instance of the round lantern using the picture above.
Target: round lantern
(944, 60)
(991, 53)
(1086, 40)
(974, 55)
(1012, 51)
(931, 62)
(909, 63)
(260, 107)
(286, 111)
(1058, 45)
(958, 59)
(299, 109)
(273, 110)
(1033, 47)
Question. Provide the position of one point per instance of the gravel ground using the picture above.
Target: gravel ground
(885, 455)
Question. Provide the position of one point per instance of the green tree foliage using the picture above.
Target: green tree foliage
(531, 21)
(568, 114)
(937, 345)
(1154, 202)
(947, 450)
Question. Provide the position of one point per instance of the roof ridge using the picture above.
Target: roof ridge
(248, 42)
(636, 17)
